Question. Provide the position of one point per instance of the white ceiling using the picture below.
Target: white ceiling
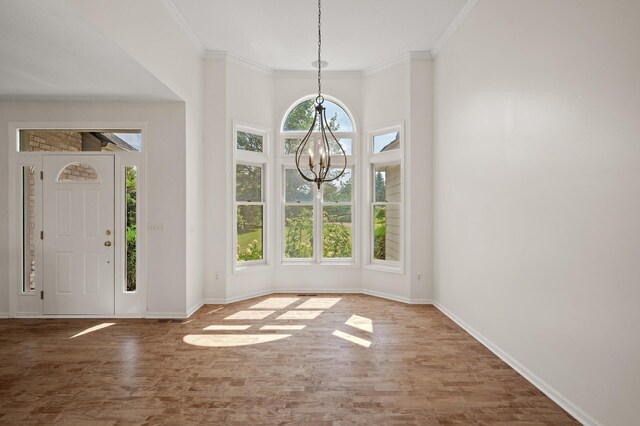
(282, 34)
(47, 51)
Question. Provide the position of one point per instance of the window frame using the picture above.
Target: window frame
(288, 162)
(250, 158)
(379, 159)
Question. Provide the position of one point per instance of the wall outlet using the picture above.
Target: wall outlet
(156, 227)
(419, 276)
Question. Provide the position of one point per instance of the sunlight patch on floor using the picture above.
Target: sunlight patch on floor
(275, 303)
(282, 327)
(94, 328)
(299, 315)
(361, 323)
(351, 338)
(226, 327)
(230, 340)
(249, 315)
(319, 303)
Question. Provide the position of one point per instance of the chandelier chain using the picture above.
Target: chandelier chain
(319, 47)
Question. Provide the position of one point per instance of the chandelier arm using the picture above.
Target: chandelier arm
(300, 150)
(344, 154)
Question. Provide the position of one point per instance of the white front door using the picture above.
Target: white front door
(78, 221)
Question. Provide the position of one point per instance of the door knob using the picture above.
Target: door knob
(107, 243)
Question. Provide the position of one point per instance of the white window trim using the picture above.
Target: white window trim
(288, 162)
(250, 158)
(381, 159)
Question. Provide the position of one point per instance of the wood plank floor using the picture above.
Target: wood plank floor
(419, 368)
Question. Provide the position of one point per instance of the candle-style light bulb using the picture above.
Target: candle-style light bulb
(311, 163)
(322, 157)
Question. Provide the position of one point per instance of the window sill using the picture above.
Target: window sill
(323, 265)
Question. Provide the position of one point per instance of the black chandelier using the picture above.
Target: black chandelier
(326, 144)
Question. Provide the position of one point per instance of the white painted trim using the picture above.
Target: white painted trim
(421, 302)
(386, 296)
(405, 57)
(313, 74)
(184, 26)
(165, 315)
(536, 381)
(420, 55)
(4, 314)
(232, 57)
(248, 296)
(310, 74)
(30, 315)
(319, 291)
(453, 27)
(194, 308)
(214, 302)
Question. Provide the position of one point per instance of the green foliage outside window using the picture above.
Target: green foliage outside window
(131, 180)
(379, 233)
(301, 118)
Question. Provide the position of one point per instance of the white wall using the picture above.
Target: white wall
(149, 32)
(386, 101)
(250, 100)
(538, 193)
(235, 90)
(216, 181)
(166, 267)
(420, 181)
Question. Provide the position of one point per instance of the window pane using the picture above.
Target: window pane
(346, 145)
(291, 145)
(301, 117)
(297, 190)
(131, 233)
(249, 142)
(386, 232)
(298, 232)
(387, 183)
(248, 183)
(28, 229)
(80, 141)
(79, 172)
(336, 232)
(338, 190)
(249, 230)
(386, 142)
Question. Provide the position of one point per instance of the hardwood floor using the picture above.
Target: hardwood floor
(419, 368)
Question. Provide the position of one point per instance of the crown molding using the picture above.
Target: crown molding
(184, 26)
(405, 57)
(232, 57)
(309, 74)
(453, 26)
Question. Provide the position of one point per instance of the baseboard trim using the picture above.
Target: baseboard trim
(382, 295)
(37, 315)
(318, 291)
(195, 307)
(166, 315)
(536, 381)
(4, 314)
(386, 296)
(421, 302)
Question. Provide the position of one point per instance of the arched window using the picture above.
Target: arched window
(317, 225)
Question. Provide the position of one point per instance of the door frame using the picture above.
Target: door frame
(126, 304)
